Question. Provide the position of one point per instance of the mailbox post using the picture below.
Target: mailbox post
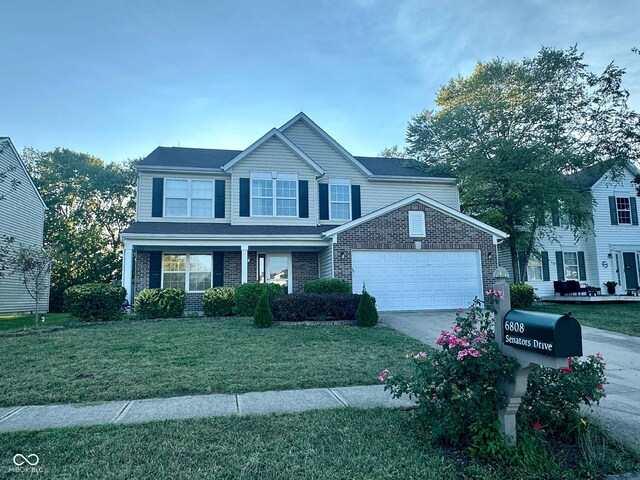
(532, 339)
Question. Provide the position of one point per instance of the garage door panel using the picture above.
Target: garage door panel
(407, 280)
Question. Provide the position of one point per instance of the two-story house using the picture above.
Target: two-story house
(610, 252)
(296, 206)
(22, 213)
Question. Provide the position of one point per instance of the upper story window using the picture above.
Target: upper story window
(190, 272)
(623, 206)
(188, 198)
(274, 194)
(340, 200)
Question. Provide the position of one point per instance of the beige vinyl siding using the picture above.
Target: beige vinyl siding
(273, 155)
(620, 237)
(145, 194)
(325, 260)
(21, 216)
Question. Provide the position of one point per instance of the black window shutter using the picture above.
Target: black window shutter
(219, 200)
(555, 218)
(324, 201)
(613, 210)
(545, 266)
(157, 197)
(582, 272)
(303, 198)
(218, 269)
(634, 211)
(245, 197)
(355, 202)
(560, 265)
(155, 269)
(522, 266)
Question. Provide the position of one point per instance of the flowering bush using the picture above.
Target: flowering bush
(554, 397)
(456, 388)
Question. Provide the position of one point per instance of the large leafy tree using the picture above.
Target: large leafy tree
(513, 130)
(89, 203)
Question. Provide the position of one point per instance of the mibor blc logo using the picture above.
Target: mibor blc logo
(26, 463)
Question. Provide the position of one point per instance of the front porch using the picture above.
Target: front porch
(591, 299)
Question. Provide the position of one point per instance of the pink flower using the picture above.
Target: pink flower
(570, 360)
(422, 354)
(566, 370)
(537, 426)
(381, 378)
(479, 340)
(453, 341)
(462, 354)
(385, 372)
(460, 310)
(457, 329)
(600, 387)
(473, 352)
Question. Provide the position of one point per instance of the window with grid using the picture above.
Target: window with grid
(534, 268)
(274, 196)
(623, 206)
(340, 201)
(188, 198)
(571, 271)
(191, 272)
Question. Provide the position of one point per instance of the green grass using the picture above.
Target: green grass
(616, 317)
(27, 322)
(336, 444)
(135, 359)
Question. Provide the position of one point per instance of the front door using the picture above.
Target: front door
(630, 270)
(278, 270)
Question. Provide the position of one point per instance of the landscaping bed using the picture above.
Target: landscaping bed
(130, 359)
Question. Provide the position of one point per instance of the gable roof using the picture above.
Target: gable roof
(588, 177)
(6, 141)
(418, 197)
(205, 158)
(302, 116)
(398, 167)
(274, 132)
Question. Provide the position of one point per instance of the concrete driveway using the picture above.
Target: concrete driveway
(619, 410)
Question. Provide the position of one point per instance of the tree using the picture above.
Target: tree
(512, 131)
(394, 152)
(89, 203)
(33, 264)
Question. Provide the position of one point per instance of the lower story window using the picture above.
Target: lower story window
(191, 272)
(534, 268)
(571, 271)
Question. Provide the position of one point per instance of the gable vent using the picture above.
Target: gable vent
(416, 224)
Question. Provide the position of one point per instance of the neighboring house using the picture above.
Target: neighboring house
(296, 206)
(610, 252)
(22, 213)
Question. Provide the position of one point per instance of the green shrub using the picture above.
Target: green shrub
(160, 303)
(218, 302)
(246, 296)
(262, 315)
(327, 285)
(301, 307)
(95, 301)
(366, 314)
(521, 295)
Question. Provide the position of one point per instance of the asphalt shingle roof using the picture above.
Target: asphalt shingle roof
(179, 228)
(396, 167)
(188, 157)
(587, 177)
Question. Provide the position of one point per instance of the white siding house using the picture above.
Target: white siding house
(22, 217)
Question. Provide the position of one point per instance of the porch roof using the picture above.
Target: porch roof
(222, 229)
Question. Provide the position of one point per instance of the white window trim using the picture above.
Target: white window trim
(577, 264)
(344, 182)
(267, 267)
(618, 210)
(186, 272)
(274, 177)
(188, 180)
(535, 266)
(419, 214)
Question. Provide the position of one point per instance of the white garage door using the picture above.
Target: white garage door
(418, 280)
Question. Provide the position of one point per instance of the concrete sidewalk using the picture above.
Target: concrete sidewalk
(39, 417)
(619, 411)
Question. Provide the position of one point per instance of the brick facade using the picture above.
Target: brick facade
(391, 232)
(305, 267)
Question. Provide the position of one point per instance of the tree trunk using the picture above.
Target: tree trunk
(515, 266)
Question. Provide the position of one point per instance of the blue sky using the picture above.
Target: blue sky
(118, 78)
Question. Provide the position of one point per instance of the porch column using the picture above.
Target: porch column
(127, 263)
(244, 248)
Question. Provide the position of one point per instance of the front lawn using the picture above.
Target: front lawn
(27, 322)
(335, 444)
(136, 359)
(616, 317)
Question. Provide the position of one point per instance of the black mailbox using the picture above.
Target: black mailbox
(544, 333)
